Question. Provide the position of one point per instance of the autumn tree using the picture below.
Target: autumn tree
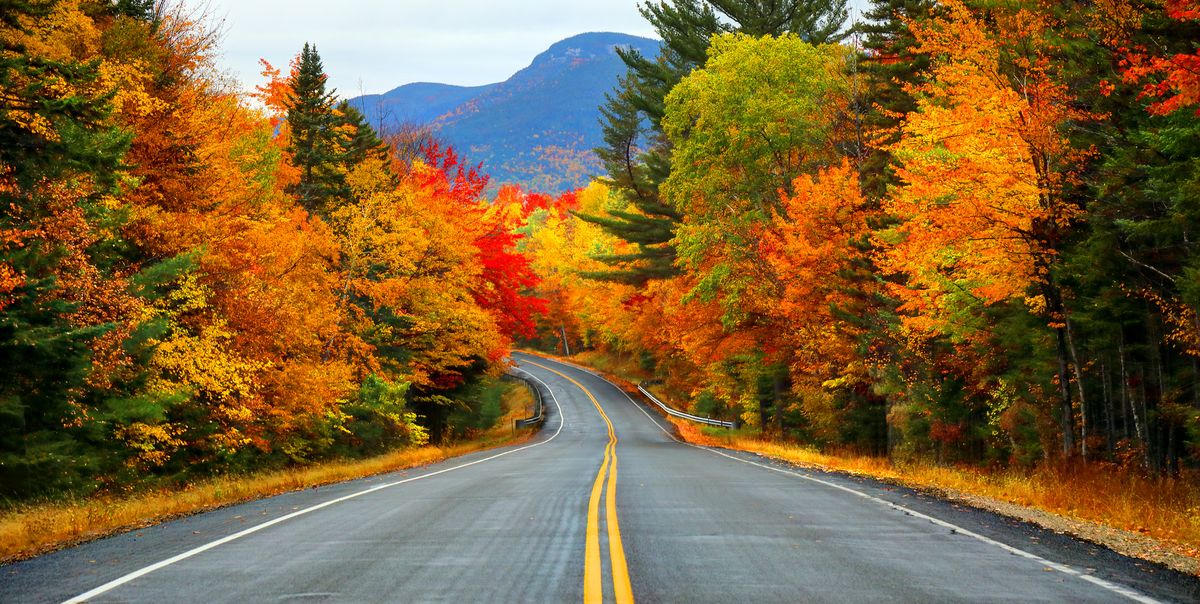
(61, 289)
(760, 113)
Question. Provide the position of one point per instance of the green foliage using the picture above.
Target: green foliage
(637, 154)
(753, 119)
(314, 147)
(378, 420)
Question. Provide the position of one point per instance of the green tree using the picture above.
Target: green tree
(314, 146)
(890, 65)
(59, 158)
(360, 141)
(637, 154)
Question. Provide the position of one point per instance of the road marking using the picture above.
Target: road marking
(593, 583)
(115, 583)
(1063, 568)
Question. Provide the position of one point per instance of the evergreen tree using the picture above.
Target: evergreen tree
(891, 63)
(314, 146)
(138, 9)
(636, 154)
(361, 141)
(633, 173)
(44, 353)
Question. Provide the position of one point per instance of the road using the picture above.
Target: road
(603, 505)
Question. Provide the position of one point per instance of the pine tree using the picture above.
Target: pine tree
(891, 63)
(312, 120)
(362, 142)
(138, 9)
(636, 154)
(52, 133)
(630, 170)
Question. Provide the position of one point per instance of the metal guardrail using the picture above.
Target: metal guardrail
(539, 410)
(675, 413)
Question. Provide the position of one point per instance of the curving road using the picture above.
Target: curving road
(603, 505)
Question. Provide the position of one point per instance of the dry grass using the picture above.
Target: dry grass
(33, 529)
(1165, 509)
(625, 366)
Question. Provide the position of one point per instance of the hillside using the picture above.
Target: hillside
(537, 128)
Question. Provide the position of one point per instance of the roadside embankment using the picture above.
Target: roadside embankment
(30, 529)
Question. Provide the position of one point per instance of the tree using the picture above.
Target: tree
(892, 66)
(61, 292)
(761, 112)
(636, 154)
(312, 125)
(984, 208)
(1173, 79)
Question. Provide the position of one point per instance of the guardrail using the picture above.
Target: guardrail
(676, 413)
(539, 409)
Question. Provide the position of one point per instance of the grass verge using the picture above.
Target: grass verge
(31, 529)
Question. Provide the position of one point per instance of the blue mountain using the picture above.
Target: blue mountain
(537, 128)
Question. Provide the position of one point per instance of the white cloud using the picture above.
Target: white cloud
(376, 45)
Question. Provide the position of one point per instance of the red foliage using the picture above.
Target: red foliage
(507, 274)
(1174, 80)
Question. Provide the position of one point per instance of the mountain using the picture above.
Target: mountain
(419, 103)
(537, 128)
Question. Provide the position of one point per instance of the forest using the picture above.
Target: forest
(196, 282)
(957, 231)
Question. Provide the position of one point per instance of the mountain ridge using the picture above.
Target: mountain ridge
(535, 129)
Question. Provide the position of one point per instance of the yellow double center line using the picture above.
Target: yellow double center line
(593, 583)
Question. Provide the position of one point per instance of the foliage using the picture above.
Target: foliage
(971, 242)
(192, 285)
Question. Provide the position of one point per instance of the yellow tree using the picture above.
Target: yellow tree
(985, 162)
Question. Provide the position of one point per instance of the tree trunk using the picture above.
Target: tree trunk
(1064, 392)
(1142, 422)
(562, 329)
(1109, 412)
(1083, 423)
(1126, 403)
(779, 391)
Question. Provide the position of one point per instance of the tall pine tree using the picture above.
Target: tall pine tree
(891, 64)
(314, 147)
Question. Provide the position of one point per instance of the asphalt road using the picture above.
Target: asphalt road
(603, 504)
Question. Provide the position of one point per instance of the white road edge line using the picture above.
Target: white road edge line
(115, 583)
(1063, 568)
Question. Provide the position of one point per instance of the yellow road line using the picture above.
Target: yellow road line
(593, 584)
(622, 590)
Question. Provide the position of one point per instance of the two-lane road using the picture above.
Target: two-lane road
(603, 504)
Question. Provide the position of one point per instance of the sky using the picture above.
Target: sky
(372, 46)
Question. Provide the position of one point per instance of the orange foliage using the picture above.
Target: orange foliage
(983, 165)
(810, 249)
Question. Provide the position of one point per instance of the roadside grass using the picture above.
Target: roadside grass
(625, 366)
(30, 529)
(1161, 514)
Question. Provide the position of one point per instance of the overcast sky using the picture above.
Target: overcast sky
(373, 46)
(376, 45)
